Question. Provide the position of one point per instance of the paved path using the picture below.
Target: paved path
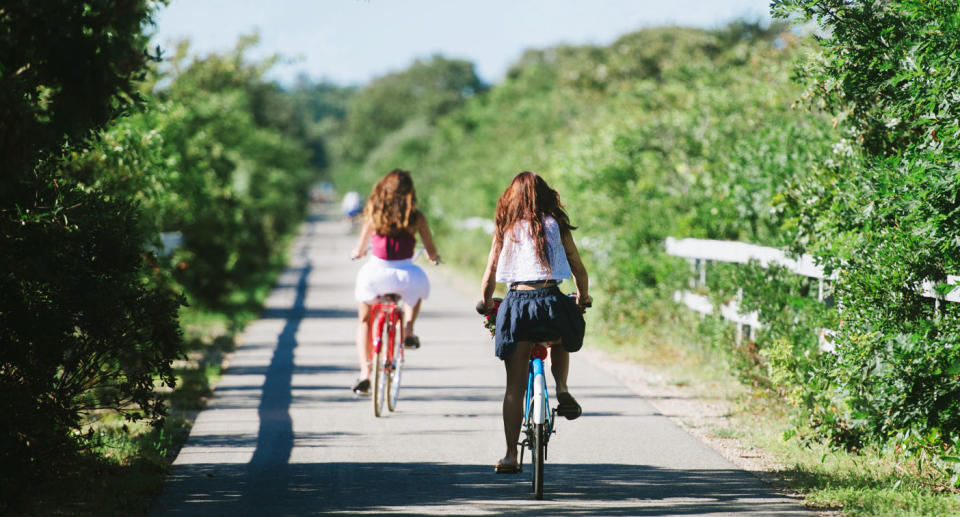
(283, 435)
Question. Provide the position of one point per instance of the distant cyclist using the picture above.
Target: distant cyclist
(391, 223)
(352, 206)
(533, 251)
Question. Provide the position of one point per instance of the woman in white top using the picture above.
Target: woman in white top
(533, 251)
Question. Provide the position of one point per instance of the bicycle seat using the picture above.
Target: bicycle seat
(540, 334)
(389, 298)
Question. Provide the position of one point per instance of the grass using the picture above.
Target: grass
(864, 483)
(869, 482)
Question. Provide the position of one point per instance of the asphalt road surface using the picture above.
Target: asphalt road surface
(283, 435)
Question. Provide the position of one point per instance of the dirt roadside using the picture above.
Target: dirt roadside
(699, 415)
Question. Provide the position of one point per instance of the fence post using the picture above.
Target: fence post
(740, 326)
(694, 267)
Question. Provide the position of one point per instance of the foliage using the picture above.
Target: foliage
(244, 178)
(99, 158)
(426, 90)
(321, 107)
(667, 131)
(883, 212)
(84, 322)
(66, 69)
(681, 132)
(217, 156)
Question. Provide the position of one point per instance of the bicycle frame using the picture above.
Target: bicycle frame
(381, 314)
(386, 351)
(538, 417)
(537, 399)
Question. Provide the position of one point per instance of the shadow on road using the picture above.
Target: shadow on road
(275, 436)
(431, 489)
(299, 314)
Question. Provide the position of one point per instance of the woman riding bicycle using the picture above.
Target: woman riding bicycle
(391, 223)
(533, 251)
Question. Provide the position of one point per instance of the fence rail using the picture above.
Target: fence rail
(741, 253)
(702, 251)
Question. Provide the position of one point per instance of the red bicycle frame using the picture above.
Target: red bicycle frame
(386, 346)
(385, 313)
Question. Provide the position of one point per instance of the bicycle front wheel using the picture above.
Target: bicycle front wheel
(539, 447)
(396, 363)
(380, 365)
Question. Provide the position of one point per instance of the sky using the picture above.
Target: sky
(353, 41)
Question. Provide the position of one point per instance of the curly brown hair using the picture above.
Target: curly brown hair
(529, 198)
(392, 207)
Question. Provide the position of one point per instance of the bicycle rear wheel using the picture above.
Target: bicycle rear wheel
(380, 363)
(396, 363)
(539, 447)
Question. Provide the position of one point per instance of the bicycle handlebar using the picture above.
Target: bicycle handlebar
(481, 310)
(416, 255)
(421, 251)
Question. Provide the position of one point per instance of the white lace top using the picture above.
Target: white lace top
(518, 257)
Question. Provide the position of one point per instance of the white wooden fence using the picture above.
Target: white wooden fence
(702, 251)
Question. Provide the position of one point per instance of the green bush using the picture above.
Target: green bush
(883, 212)
(425, 91)
(207, 156)
(245, 181)
(84, 323)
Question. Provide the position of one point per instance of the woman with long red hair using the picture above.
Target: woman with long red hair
(391, 223)
(533, 251)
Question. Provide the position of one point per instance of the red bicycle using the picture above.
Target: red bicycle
(386, 335)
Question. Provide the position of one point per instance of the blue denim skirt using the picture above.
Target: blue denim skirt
(547, 308)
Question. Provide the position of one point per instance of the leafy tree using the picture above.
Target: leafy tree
(884, 212)
(210, 155)
(83, 323)
(322, 108)
(244, 173)
(427, 89)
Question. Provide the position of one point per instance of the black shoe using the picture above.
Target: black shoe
(567, 406)
(412, 342)
(361, 387)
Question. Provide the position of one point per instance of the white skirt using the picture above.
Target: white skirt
(378, 277)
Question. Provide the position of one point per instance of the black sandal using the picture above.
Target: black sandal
(567, 406)
(361, 387)
(507, 468)
(412, 342)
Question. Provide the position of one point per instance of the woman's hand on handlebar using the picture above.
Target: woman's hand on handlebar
(585, 301)
(484, 307)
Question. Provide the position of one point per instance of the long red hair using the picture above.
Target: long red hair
(392, 207)
(529, 198)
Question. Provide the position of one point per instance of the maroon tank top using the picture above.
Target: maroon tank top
(393, 248)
